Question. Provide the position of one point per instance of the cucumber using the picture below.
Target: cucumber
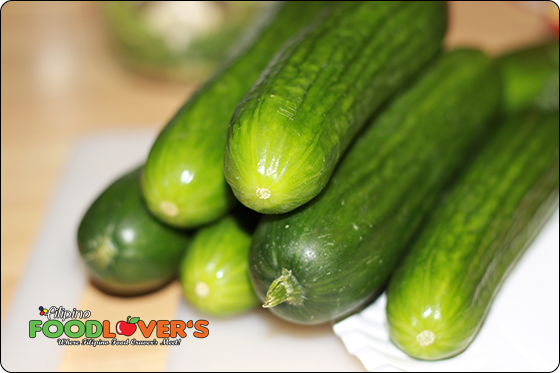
(438, 297)
(126, 250)
(288, 133)
(530, 78)
(328, 257)
(183, 180)
(214, 272)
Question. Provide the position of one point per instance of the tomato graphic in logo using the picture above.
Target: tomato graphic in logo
(129, 327)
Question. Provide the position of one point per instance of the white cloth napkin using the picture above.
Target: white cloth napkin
(521, 331)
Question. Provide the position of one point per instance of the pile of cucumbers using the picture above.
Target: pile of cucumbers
(340, 150)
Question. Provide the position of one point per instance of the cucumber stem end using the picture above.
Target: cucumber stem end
(284, 289)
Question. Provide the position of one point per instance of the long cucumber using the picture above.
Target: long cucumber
(531, 78)
(439, 296)
(289, 132)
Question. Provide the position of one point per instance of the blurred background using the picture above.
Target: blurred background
(70, 69)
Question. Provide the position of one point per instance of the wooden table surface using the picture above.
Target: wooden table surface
(60, 81)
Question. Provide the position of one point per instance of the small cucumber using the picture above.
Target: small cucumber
(214, 272)
(328, 257)
(290, 130)
(126, 249)
(439, 295)
(183, 181)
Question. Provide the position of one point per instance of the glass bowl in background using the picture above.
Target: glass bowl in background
(177, 40)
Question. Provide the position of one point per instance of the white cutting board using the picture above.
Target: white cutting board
(256, 341)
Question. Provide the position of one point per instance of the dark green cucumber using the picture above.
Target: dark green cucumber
(183, 181)
(328, 257)
(289, 132)
(530, 78)
(125, 248)
(439, 296)
(214, 272)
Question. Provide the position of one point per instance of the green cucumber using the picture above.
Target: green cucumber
(328, 257)
(530, 78)
(183, 180)
(439, 295)
(288, 133)
(214, 272)
(126, 250)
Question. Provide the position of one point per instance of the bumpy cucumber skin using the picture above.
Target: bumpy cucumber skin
(530, 78)
(289, 132)
(125, 248)
(183, 180)
(447, 282)
(214, 273)
(342, 245)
